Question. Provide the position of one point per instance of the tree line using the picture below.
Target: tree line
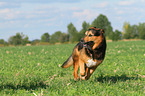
(73, 35)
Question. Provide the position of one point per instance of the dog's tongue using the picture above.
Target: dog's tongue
(85, 45)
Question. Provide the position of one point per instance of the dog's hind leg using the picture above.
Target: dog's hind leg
(76, 66)
(82, 67)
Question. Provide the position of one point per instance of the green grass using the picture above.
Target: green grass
(35, 69)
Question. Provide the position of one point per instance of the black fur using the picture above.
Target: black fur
(95, 32)
(99, 52)
(87, 45)
(80, 45)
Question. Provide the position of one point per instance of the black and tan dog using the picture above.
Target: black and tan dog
(88, 54)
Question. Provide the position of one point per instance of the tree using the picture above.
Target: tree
(85, 27)
(64, 38)
(115, 36)
(18, 39)
(35, 42)
(2, 41)
(141, 30)
(55, 37)
(45, 37)
(59, 37)
(130, 31)
(102, 22)
(125, 28)
(73, 33)
(135, 33)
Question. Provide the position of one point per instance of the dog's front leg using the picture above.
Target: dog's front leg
(83, 60)
(89, 71)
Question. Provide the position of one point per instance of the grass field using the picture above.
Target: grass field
(34, 70)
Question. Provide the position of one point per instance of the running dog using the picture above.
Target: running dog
(88, 54)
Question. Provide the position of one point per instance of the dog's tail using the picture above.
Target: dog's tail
(69, 62)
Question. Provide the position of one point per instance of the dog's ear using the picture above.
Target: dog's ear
(98, 32)
(86, 33)
(102, 31)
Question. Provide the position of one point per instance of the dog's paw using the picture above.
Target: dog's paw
(77, 78)
(82, 73)
(82, 77)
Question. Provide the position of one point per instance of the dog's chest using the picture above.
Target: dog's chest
(91, 63)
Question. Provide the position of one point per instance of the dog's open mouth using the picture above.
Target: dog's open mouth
(90, 43)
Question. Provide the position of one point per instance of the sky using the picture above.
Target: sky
(36, 17)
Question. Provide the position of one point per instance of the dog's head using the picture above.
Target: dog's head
(94, 34)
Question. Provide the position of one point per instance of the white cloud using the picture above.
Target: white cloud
(3, 11)
(143, 1)
(74, 8)
(7, 14)
(126, 2)
(2, 3)
(85, 14)
(102, 5)
(120, 12)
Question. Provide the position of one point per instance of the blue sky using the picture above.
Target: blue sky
(35, 17)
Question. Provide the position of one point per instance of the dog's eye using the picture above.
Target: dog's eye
(90, 35)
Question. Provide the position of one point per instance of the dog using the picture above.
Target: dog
(88, 54)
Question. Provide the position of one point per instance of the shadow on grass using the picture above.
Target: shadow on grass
(114, 79)
(30, 86)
